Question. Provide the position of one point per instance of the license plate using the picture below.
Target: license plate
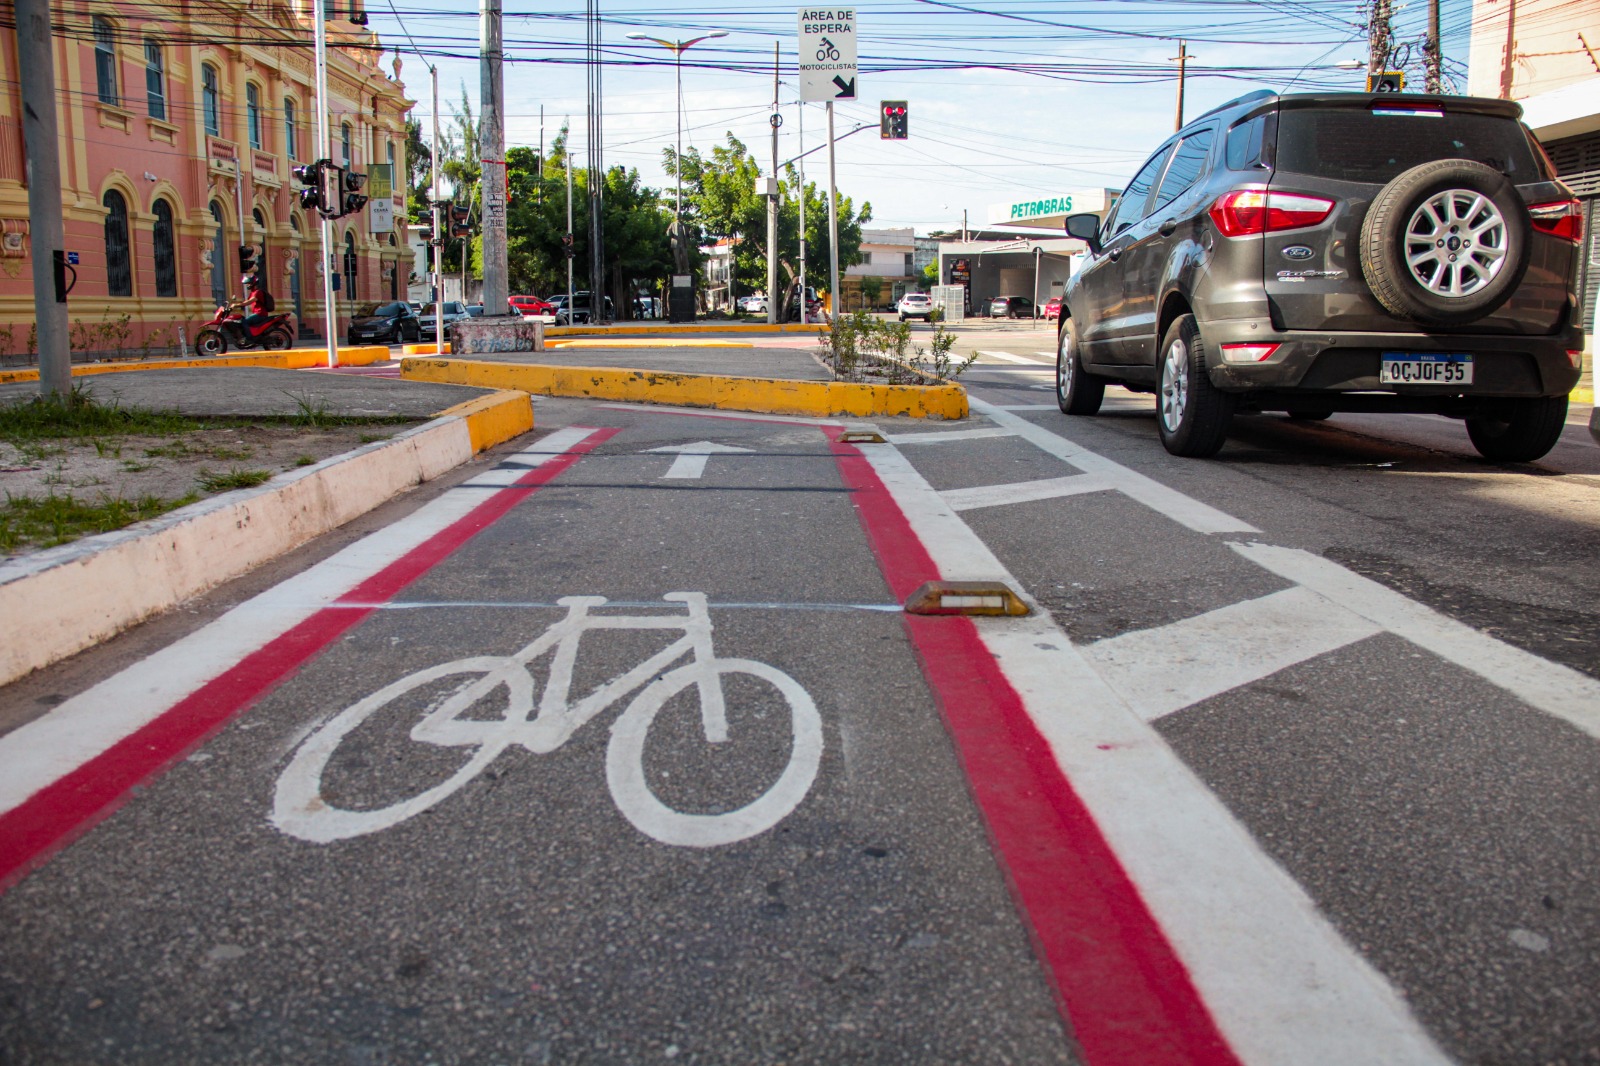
(1425, 368)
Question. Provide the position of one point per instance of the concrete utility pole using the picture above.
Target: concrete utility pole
(1380, 37)
(1183, 66)
(492, 172)
(36, 57)
(1435, 61)
(772, 201)
(1508, 69)
(436, 242)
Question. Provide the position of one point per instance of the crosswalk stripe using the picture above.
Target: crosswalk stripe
(1023, 491)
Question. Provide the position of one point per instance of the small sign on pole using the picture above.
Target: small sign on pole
(827, 53)
(380, 193)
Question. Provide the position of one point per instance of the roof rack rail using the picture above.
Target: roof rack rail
(1248, 98)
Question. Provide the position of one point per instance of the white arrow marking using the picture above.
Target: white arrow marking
(691, 460)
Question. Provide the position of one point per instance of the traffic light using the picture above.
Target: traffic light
(311, 177)
(247, 259)
(460, 226)
(1388, 81)
(892, 117)
(351, 199)
(566, 245)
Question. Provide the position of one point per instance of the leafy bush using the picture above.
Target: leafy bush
(861, 346)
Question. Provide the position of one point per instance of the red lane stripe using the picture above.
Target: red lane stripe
(1124, 994)
(68, 807)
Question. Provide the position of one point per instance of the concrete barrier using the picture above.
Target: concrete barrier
(819, 399)
(79, 594)
(292, 359)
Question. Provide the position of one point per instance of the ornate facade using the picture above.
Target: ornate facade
(177, 120)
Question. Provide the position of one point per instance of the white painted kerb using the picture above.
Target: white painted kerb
(79, 594)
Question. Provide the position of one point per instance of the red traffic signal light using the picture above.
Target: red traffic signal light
(892, 120)
(460, 220)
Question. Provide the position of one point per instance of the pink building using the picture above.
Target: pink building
(177, 119)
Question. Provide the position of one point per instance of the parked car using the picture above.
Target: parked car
(474, 310)
(646, 307)
(915, 305)
(753, 305)
(1011, 307)
(1052, 308)
(1322, 252)
(580, 309)
(813, 305)
(534, 307)
(454, 311)
(390, 323)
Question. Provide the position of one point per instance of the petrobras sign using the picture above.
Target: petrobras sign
(1051, 209)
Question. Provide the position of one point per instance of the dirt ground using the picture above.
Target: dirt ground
(169, 466)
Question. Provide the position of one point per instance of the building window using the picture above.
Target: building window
(166, 249)
(155, 80)
(393, 177)
(344, 141)
(119, 268)
(252, 114)
(211, 100)
(291, 143)
(219, 259)
(105, 61)
(350, 265)
(908, 262)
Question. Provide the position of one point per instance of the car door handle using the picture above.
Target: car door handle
(1168, 227)
(1114, 254)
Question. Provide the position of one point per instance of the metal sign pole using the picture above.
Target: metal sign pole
(802, 135)
(330, 316)
(833, 226)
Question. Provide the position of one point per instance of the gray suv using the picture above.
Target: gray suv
(1314, 253)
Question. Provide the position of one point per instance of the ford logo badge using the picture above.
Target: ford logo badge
(1298, 251)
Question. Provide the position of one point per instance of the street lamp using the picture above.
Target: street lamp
(678, 48)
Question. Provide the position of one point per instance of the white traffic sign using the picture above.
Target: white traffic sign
(691, 460)
(827, 53)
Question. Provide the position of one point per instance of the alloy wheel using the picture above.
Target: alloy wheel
(1065, 365)
(1174, 385)
(1455, 242)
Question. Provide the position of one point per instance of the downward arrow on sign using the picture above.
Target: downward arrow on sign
(691, 460)
(847, 89)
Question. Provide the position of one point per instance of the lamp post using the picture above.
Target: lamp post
(678, 48)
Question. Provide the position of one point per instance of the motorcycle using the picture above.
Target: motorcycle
(227, 330)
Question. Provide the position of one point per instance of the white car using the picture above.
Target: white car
(915, 305)
(753, 305)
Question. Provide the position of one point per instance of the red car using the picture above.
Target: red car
(1052, 308)
(533, 307)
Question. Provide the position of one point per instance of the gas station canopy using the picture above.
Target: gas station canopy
(1051, 211)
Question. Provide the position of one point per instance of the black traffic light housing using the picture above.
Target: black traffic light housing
(566, 244)
(1388, 81)
(351, 198)
(247, 259)
(311, 176)
(460, 226)
(892, 116)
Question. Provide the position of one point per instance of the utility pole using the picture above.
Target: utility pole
(597, 301)
(492, 172)
(833, 225)
(1183, 65)
(36, 57)
(1434, 82)
(436, 242)
(772, 201)
(1380, 38)
(324, 151)
(1509, 67)
(569, 218)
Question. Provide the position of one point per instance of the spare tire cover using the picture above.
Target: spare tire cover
(1445, 243)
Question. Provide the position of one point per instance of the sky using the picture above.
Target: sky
(1008, 99)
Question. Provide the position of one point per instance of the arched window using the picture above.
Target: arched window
(166, 249)
(211, 99)
(349, 265)
(344, 141)
(291, 141)
(394, 271)
(252, 114)
(105, 61)
(219, 258)
(155, 80)
(119, 269)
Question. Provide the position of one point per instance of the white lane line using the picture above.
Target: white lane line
(36, 754)
(1280, 982)
(1023, 491)
(1550, 687)
(945, 436)
(1154, 495)
(1026, 407)
(691, 459)
(1165, 669)
(1010, 357)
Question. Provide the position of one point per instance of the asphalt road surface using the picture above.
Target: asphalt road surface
(1294, 761)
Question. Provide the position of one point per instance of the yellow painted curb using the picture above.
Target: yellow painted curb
(651, 342)
(293, 359)
(697, 327)
(1581, 396)
(494, 419)
(819, 399)
(425, 349)
(363, 355)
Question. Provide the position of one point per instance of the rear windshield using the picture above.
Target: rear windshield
(1350, 144)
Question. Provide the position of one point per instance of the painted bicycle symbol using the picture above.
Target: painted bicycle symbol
(301, 808)
(827, 51)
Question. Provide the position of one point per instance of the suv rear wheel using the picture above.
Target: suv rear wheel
(1078, 392)
(1520, 431)
(1192, 415)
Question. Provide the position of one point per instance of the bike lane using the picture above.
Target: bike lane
(531, 913)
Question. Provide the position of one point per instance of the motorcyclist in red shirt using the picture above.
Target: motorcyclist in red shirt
(258, 302)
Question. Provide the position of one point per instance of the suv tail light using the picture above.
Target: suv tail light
(1257, 209)
(1560, 219)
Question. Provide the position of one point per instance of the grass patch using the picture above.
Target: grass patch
(373, 438)
(54, 519)
(80, 415)
(232, 479)
(304, 460)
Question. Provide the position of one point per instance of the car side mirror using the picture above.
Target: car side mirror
(1086, 228)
